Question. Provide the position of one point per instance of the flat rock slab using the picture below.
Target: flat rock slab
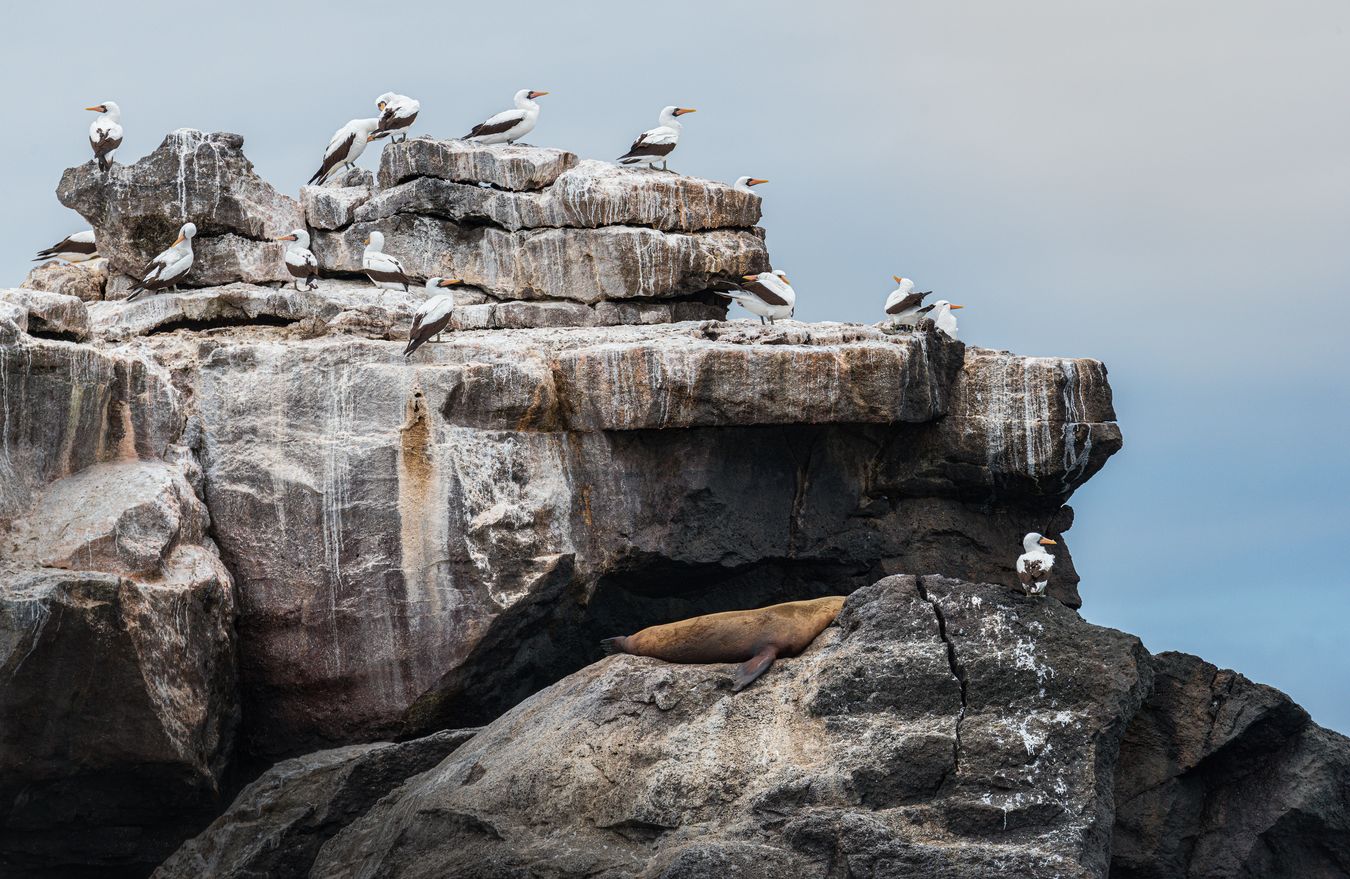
(334, 205)
(516, 168)
(83, 280)
(52, 314)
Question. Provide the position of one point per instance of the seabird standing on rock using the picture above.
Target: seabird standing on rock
(73, 248)
(509, 126)
(105, 132)
(300, 261)
(432, 315)
(384, 271)
(767, 294)
(656, 144)
(1033, 565)
(170, 267)
(345, 148)
(904, 305)
(942, 316)
(397, 113)
(743, 184)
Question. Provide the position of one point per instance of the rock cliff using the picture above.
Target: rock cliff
(238, 527)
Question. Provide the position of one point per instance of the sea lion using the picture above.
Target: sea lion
(754, 638)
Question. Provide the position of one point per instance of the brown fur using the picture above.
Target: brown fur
(752, 637)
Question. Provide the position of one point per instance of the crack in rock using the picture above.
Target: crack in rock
(954, 662)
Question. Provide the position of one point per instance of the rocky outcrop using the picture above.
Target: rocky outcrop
(136, 210)
(50, 314)
(939, 728)
(1219, 776)
(277, 824)
(83, 280)
(524, 223)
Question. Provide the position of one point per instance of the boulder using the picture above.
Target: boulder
(515, 168)
(136, 210)
(940, 727)
(334, 204)
(83, 280)
(50, 314)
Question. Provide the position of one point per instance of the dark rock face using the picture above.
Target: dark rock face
(278, 823)
(938, 728)
(136, 210)
(1219, 776)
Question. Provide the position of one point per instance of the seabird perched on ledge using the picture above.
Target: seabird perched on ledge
(397, 113)
(509, 126)
(384, 271)
(767, 294)
(170, 267)
(345, 148)
(105, 132)
(432, 316)
(942, 316)
(904, 305)
(656, 144)
(300, 261)
(73, 248)
(1034, 564)
(743, 184)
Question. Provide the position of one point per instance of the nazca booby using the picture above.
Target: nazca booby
(170, 267)
(743, 184)
(397, 113)
(509, 126)
(300, 260)
(656, 144)
(384, 271)
(768, 294)
(432, 316)
(347, 145)
(904, 305)
(73, 248)
(105, 132)
(1034, 564)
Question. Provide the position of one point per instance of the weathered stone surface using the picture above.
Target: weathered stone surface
(13, 322)
(50, 314)
(589, 195)
(514, 168)
(278, 823)
(136, 210)
(334, 205)
(940, 728)
(584, 265)
(1219, 776)
(83, 280)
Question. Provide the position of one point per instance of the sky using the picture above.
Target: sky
(1163, 186)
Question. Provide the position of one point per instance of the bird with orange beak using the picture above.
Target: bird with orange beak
(166, 270)
(105, 133)
(768, 295)
(509, 126)
(300, 260)
(743, 184)
(1034, 564)
(656, 144)
(397, 114)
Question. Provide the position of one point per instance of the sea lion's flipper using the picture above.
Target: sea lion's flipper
(612, 645)
(753, 668)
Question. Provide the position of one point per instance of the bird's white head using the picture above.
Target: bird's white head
(299, 236)
(525, 97)
(188, 232)
(107, 108)
(375, 242)
(902, 282)
(782, 276)
(383, 99)
(434, 283)
(1034, 541)
(743, 184)
(944, 305)
(670, 114)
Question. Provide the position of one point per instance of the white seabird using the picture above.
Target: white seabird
(170, 267)
(73, 248)
(345, 148)
(509, 126)
(300, 261)
(656, 144)
(904, 306)
(384, 271)
(397, 113)
(1033, 565)
(767, 294)
(105, 132)
(432, 315)
(743, 184)
(941, 315)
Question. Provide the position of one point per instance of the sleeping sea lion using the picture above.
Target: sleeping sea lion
(754, 638)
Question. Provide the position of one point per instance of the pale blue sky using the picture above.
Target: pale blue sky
(1163, 186)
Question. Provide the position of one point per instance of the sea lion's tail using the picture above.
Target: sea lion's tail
(612, 645)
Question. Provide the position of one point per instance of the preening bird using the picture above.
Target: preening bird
(743, 184)
(73, 248)
(105, 132)
(509, 126)
(397, 113)
(942, 316)
(767, 294)
(656, 144)
(300, 261)
(384, 271)
(1034, 564)
(432, 316)
(170, 267)
(345, 148)
(904, 305)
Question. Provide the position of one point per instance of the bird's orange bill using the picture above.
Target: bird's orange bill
(534, 95)
(98, 108)
(286, 238)
(449, 282)
(898, 279)
(755, 181)
(680, 111)
(1045, 541)
(954, 307)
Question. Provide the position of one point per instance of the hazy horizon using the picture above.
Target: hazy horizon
(1163, 187)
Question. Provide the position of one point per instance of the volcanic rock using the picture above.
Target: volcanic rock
(83, 280)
